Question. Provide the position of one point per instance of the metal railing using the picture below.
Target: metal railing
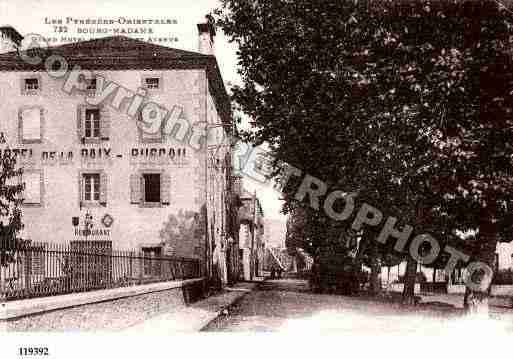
(32, 270)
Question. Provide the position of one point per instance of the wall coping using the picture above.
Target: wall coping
(25, 307)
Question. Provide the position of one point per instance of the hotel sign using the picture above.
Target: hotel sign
(107, 220)
(24, 153)
(100, 154)
(92, 232)
(156, 152)
(88, 229)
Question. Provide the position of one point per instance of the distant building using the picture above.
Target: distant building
(251, 236)
(274, 260)
(279, 259)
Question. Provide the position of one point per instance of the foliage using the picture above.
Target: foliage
(10, 212)
(295, 236)
(313, 232)
(184, 228)
(409, 103)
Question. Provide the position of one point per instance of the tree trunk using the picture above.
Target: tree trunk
(358, 260)
(409, 282)
(476, 299)
(375, 278)
(369, 248)
(476, 303)
(410, 275)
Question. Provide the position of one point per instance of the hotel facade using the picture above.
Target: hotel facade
(124, 145)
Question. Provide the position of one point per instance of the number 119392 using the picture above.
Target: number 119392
(33, 351)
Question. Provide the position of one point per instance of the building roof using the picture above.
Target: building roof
(124, 53)
(11, 32)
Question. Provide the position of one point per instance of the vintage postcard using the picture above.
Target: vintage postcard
(173, 168)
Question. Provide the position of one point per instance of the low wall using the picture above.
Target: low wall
(503, 290)
(456, 289)
(497, 290)
(110, 309)
(399, 287)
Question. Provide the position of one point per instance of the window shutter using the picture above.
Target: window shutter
(41, 187)
(80, 122)
(41, 120)
(135, 189)
(80, 192)
(103, 188)
(20, 126)
(104, 123)
(165, 188)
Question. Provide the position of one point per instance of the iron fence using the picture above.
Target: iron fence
(31, 270)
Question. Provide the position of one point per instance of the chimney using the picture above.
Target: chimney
(10, 39)
(207, 33)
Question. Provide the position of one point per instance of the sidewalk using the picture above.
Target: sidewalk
(456, 300)
(196, 316)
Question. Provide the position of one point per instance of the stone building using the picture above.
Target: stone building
(251, 236)
(120, 141)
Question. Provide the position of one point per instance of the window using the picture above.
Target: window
(91, 85)
(146, 136)
(91, 187)
(152, 82)
(31, 84)
(151, 261)
(92, 123)
(98, 268)
(31, 120)
(147, 124)
(32, 190)
(151, 187)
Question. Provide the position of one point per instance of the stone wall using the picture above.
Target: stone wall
(497, 290)
(113, 314)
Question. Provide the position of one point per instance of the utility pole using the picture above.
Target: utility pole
(253, 227)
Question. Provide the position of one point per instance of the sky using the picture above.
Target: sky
(35, 17)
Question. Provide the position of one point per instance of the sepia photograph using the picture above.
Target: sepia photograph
(188, 172)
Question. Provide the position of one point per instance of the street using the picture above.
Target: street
(286, 305)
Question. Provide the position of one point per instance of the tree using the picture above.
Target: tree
(407, 102)
(463, 72)
(10, 213)
(329, 243)
(294, 236)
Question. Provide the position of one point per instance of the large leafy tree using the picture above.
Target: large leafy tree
(408, 102)
(451, 70)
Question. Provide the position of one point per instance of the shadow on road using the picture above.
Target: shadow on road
(285, 284)
(289, 305)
